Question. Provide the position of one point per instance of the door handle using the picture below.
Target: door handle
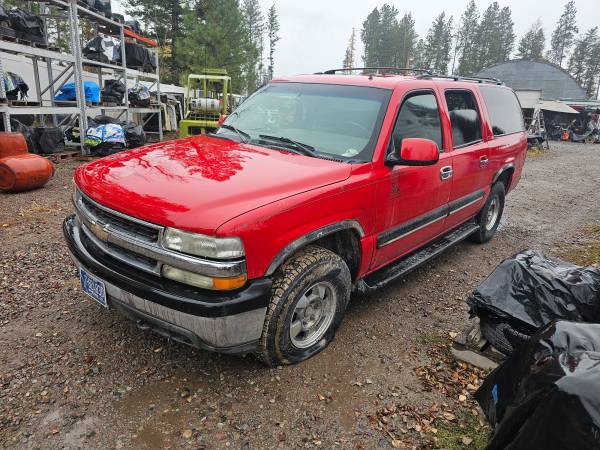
(483, 161)
(445, 172)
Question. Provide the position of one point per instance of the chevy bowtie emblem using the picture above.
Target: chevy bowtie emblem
(101, 232)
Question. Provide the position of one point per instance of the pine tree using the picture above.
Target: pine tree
(591, 77)
(350, 50)
(371, 38)
(438, 44)
(253, 27)
(531, 45)
(213, 37)
(406, 40)
(419, 57)
(388, 27)
(273, 34)
(467, 40)
(506, 35)
(163, 18)
(564, 34)
(584, 47)
(495, 37)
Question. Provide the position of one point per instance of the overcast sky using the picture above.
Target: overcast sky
(314, 33)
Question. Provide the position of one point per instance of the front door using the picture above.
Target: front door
(411, 202)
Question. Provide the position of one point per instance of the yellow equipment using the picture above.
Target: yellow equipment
(207, 96)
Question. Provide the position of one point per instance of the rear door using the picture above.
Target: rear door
(470, 156)
(411, 202)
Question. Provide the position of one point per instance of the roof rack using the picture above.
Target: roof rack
(461, 78)
(378, 70)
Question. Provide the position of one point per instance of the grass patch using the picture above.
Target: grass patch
(467, 435)
(587, 254)
(535, 151)
(432, 339)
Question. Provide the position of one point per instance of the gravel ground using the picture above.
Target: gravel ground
(73, 375)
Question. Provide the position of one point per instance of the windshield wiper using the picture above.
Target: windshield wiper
(245, 137)
(305, 149)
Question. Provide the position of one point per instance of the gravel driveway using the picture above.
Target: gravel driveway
(73, 375)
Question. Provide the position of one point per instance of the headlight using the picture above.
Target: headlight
(202, 245)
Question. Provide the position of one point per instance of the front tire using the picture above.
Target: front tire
(490, 215)
(309, 297)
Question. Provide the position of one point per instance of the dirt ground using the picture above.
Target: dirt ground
(73, 375)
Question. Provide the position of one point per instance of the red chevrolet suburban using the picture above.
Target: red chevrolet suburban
(252, 239)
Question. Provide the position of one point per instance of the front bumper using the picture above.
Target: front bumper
(227, 322)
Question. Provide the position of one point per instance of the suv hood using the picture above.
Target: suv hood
(199, 183)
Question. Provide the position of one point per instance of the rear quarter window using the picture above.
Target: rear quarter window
(504, 110)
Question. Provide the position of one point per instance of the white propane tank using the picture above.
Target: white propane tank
(205, 104)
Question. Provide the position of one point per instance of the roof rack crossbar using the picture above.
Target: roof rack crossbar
(379, 70)
(464, 78)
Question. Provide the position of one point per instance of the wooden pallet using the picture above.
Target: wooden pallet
(18, 103)
(32, 43)
(62, 156)
(8, 38)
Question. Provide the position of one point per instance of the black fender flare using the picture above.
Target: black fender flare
(501, 171)
(311, 237)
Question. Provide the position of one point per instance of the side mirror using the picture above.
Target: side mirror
(414, 152)
(222, 118)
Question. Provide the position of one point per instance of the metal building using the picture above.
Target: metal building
(554, 82)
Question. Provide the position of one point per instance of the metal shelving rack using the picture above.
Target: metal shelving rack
(75, 64)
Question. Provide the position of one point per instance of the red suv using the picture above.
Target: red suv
(253, 238)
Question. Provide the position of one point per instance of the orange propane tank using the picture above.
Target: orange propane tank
(12, 144)
(24, 172)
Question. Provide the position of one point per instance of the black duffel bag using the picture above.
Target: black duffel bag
(28, 25)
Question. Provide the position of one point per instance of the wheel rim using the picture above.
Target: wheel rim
(313, 314)
(492, 214)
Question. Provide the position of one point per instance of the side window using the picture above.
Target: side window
(465, 118)
(504, 110)
(419, 117)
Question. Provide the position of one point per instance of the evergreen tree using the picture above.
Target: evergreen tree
(253, 27)
(406, 40)
(162, 18)
(350, 50)
(438, 44)
(371, 38)
(564, 34)
(531, 45)
(467, 46)
(495, 37)
(419, 57)
(213, 37)
(272, 31)
(592, 71)
(388, 28)
(584, 47)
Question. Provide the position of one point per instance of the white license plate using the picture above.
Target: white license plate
(93, 287)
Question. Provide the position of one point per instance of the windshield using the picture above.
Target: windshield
(330, 120)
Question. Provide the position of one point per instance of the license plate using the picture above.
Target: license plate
(93, 287)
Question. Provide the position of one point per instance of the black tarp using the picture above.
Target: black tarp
(546, 395)
(113, 91)
(28, 25)
(139, 57)
(49, 139)
(528, 291)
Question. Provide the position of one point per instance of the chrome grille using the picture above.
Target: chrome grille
(122, 224)
(138, 243)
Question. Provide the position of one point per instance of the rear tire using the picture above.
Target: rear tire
(490, 215)
(309, 297)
